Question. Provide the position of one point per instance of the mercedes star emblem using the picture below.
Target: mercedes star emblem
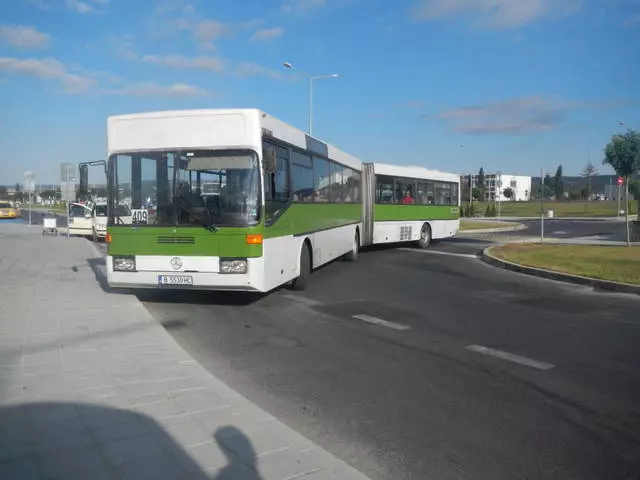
(176, 264)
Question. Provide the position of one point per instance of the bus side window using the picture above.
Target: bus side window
(277, 191)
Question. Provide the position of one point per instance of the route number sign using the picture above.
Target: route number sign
(139, 217)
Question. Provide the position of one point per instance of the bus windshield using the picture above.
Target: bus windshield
(210, 188)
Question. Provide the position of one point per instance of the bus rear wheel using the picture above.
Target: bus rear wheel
(425, 236)
(352, 256)
(302, 280)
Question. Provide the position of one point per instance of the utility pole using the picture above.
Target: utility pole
(542, 205)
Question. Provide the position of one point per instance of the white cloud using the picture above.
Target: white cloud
(517, 115)
(251, 24)
(632, 21)
(123, 46)
(251, 69)
(182, 62)
(207, 46)
(302, 6)
(494, 14)
(23, 37)
(414, 104)
(42, 4)
(154, 89)
(50, 69)
(266, 34)
(171, 6)
(87, 6)
(213, 64)
(210, 30)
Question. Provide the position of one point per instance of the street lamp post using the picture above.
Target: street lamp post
(622, 125)
(311, 78)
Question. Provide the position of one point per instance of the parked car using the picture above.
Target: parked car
(8, 211)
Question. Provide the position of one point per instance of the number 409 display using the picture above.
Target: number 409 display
(139, 216)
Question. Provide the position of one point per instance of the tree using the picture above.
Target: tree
(558, 183)
(588, 172)
(622, 153)
(549, 185)
(574, 194)
(477, 193)
(508, 193)
(481, 184)
(634, 190)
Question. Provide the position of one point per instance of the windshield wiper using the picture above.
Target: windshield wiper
(210, 226)
(207, 225)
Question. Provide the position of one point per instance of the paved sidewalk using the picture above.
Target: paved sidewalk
(92, 387)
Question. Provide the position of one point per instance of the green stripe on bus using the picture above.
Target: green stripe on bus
(182, 241)
(302, 218)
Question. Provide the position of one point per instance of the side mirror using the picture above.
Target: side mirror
(269, 159)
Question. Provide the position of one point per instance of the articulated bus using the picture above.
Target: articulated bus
(234, 199)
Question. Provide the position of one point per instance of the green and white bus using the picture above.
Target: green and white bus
(409, 204)
(234, 199)
(226, 200)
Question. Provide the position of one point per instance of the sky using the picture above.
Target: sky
(510, 85)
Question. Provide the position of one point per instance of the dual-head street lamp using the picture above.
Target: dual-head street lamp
(311, 78)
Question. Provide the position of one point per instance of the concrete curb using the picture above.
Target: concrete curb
(596, 283)
(494, 230)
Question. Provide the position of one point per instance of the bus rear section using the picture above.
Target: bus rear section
(409, 204)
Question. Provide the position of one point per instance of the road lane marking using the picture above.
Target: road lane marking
(310, 302)
(381, 322)
(559, 232)
(510, 357)
(437, 252)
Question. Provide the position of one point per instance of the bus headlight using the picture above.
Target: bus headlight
(233, 265)
(124, 264)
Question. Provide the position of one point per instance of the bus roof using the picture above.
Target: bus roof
(294, 136)
(414, 172)
(210, 128)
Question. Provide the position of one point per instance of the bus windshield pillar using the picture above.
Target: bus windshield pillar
(162, 176)
(136, 182)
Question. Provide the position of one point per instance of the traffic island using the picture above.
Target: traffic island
(487, 226)
(614, 268)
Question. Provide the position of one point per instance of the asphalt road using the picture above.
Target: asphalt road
(408, 391)
(471, 242)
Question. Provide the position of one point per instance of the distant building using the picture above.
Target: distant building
(496, 183)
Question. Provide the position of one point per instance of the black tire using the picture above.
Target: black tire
(352, 256)
(425, 236)
(301, 282)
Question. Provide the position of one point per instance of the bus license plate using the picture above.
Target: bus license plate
(175, 279)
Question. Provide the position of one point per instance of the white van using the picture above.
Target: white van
(99, 221)
(80, 221)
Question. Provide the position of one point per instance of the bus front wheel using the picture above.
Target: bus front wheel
(302, 280)
(425, 236)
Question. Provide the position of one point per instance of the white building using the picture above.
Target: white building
(496, 183)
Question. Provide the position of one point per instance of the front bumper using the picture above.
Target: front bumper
(252, 281)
